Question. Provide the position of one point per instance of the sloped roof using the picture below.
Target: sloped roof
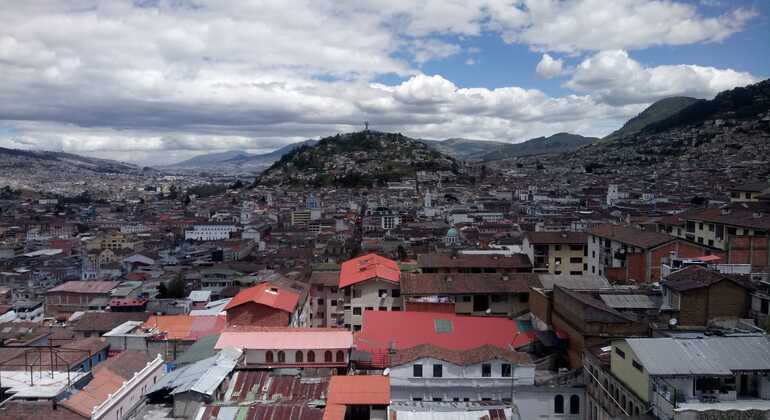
(458, 357)
(368, 267)
(266, 294)
(106, 321)
(696, 277)
(631, 236)
(359, 390)
(474, 260)
(561, 238)
(176, 327)
(401, 330)
(203, 376)
(702, 356)
(79, 286)
(443, 283)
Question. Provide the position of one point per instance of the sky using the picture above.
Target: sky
(155, 82)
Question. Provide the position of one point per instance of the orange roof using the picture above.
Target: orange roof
(176, 327)
(266, 294)
(368, 267)
(359, 390)
(105, 382)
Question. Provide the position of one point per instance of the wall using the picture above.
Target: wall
(369, 298)
(257, 357)
(638, 382)
(131, 393)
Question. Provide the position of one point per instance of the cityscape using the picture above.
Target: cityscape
(218, 211)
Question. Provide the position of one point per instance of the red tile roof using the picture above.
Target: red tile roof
(368, 267)
(458, 357)
(631, 236)
(266, 294)
(403, 330)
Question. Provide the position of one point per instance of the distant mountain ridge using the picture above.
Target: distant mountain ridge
(461, 148)
(19, 158)
(557, 143)
(237, 159)
(654, 113)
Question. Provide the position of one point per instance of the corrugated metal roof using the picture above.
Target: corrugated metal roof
(703, 356)
(629, 301)
(203, 377)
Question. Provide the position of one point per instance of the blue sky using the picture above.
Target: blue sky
(161, 81)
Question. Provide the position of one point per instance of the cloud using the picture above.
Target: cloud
(548, 67)
(615, 78)
(127, 80)
(589, 25)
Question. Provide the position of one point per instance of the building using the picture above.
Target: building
(495, 294)
(474, 263)
(358, 397)
(266, 305)
(369, 283)
(430, 373)
(698, 296)
(686, 378)
(72, 296)
(291, 347)
(626, 254)
(750, 192)
(210, 232)
(557, 252)
(384, 332)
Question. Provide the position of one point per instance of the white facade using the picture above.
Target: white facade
(370, 295)
(210, 232)
(123, 402)
(457, 382)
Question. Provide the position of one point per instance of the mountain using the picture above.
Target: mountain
(730, 131)
(654, 113)
(460, 148)
(356, 159)
(210, 159)
(237, 160)
(17, 160)
(557, 143)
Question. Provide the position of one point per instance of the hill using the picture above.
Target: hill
(654, 113)
(730, 130)
(557, 143)
(237, 160)
(460, 148)
(356, 159)
(36, 160)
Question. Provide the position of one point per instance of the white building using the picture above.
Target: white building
(210, 232)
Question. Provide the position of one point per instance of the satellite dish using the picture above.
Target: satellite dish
(488, 311)
(386, 372)
(672, 322)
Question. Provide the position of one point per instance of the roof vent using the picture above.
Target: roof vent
(725, 211)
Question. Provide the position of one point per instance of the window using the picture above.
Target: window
(637, 365)
(298, 357)
(395, 293)
(417, 399)
(395, 308)
(557, 260)
(356, 293)
(505, 370)
(731, 231)
(320, 301)
(340, 356)
(369, 308)
(558, 404)
(576, 260)
(499, 298)
(557, 247)
(311, 356)
(437, 399)
(417, 371)
(269, 357)
(281, 357)
(357, 310)
(574, 404)
(327, 356)
(382, 293)
(524, 297)
(557, 272)
(486, 370)
(620, 353)
(764, 305)
(576, 247)
(466, 298)
(438, 371)
(575, 273)
(333, 302)
(334, 290)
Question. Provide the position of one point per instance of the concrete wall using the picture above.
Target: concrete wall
(366, 295)
(637, 381)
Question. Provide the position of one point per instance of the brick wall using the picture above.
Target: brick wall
(255, 314)
(749, 250)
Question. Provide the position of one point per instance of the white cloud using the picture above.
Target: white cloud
(549, 67)
(116, 80)
(614, 77)
(579, 25)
